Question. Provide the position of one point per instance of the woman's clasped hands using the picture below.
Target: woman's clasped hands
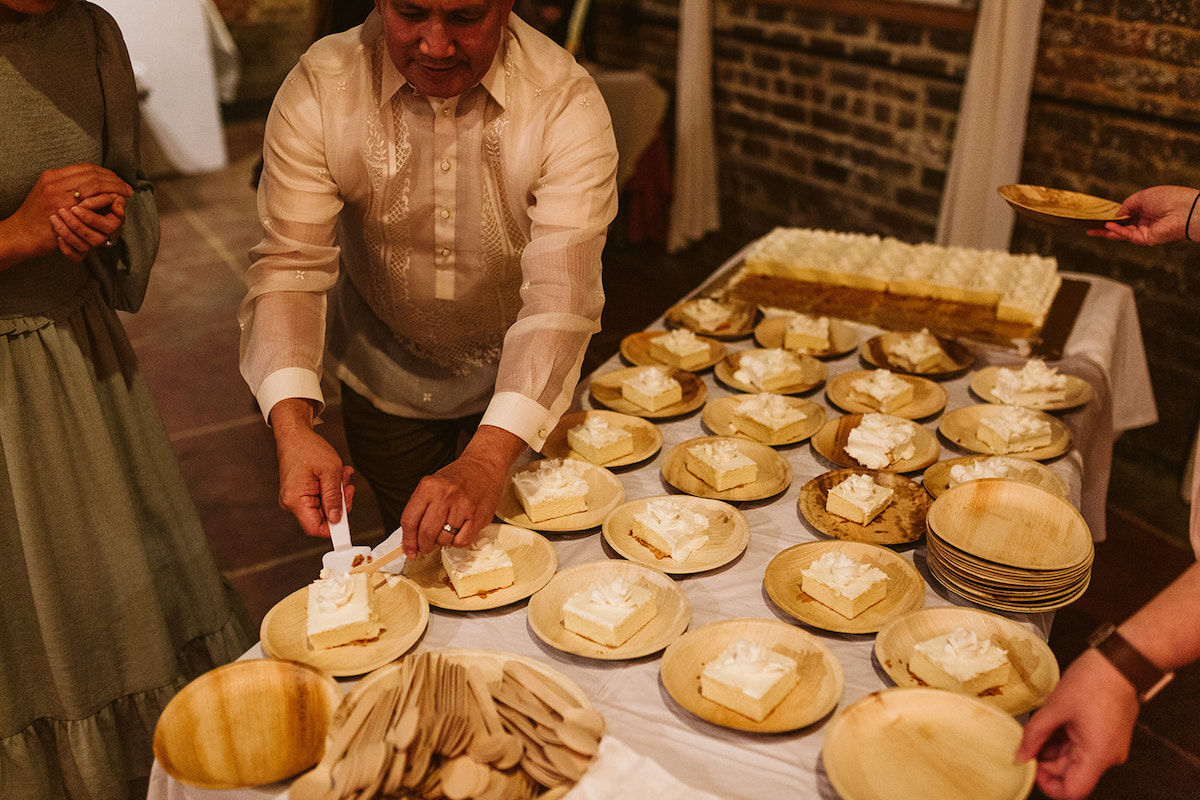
(72, 209)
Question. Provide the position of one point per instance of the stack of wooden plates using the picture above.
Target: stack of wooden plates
(1009, 546)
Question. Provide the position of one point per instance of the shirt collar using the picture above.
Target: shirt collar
(492, 81)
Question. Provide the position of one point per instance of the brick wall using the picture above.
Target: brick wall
(832, 120)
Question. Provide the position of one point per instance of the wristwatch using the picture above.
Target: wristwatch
(1147, 679)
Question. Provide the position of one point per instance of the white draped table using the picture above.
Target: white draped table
(655, 748)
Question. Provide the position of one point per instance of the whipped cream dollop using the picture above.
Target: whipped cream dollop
(880, 384)
(916, 347)
(880, 440)
(333, 590)
(680, 340)
(757, 366)
(808, 326)
(597, 430)
(1011, 421)
(1034, 379)
(977, 470)
(706, 312)
(614, 594)
(773, 410)
(860, 489)
(750, 666)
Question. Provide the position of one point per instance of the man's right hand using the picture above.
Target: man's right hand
(311, 473)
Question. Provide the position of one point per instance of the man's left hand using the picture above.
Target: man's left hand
(451, 506)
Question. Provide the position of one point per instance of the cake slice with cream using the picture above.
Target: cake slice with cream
(768, 417)
(770, 369)
(1034, 384)
(551, 488)
(749, 679)
(994, 467)
(479, 569)
(680, 348)
(915, 352)
(652, 388)
(610, 612)
(806, 334)
(706, 314)
(881, 440)
(961, 661)
(670, 528)
(341, 610)
(881, 390)
(847, 586)
(1014, 429)
(858, 498)
(599, 441)
(720, 464)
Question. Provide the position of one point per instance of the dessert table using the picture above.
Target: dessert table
(656, 748)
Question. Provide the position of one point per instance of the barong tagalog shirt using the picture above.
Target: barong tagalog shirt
(446, 251)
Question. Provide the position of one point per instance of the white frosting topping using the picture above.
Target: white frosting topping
(652, 381)
(843, 574)
(706, 312)
(678, 525)
(757, 366)
(1035, 378)
(772, 410)
(482, 556)
(749, 666)
(977, 470)
(333, 590)
(880, 440)
(553, 477)
(599, 432)
(609, 602)
(880, 384)
(721, 454)
(1012, 422)
(915, 347)
(810, 326)
(962, 653)
(861, 491)
(681, 341)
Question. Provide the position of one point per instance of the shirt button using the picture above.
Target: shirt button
(445, 112)
(445, 213)
(445, 252)
(445, 166)
(542, 432)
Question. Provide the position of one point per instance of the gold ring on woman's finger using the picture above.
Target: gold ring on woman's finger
(112, 240)
(77, 194)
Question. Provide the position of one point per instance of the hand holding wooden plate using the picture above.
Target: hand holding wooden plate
(403, 611)
(647, 438)
(905, 587)
(636, 349)
(534, 562)
(902, 521)
(728, 534)
(901, 743)
(605, 493)
(1079, 391)
(1061, 207)
(1034, 672)
(817, 693)
(843, 337)
(673, 610)
(774, 471)
(606, 390)
(928, 397)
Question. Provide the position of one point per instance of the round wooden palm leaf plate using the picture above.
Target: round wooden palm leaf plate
(606, 390)
(605, 493)
(812, 374)
(1061, 206)
(900, 522)
(955, 357)
(718, 416)
(831, 441)
(928, 397)
(728, 534)
(647, 438)
(936, 479)
(635, 348)
(843, 337)
(961, 426)
(774, 472)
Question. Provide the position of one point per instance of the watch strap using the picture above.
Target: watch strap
(1147, 679)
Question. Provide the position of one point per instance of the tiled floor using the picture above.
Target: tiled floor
(187, 339)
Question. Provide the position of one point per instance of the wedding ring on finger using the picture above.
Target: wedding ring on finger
(77, 194)
(112, 240)
(450, 529)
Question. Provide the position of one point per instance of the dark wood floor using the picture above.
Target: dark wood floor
(187, 339)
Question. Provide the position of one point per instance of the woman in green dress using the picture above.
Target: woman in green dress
(109, 597)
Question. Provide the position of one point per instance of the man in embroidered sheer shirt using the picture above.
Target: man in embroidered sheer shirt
(436, 192)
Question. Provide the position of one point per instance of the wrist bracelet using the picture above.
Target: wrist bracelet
(1146, 677)
(1188, 224)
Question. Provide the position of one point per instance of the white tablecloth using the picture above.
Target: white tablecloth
(665, 748)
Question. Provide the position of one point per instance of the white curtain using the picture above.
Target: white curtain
(990, 135)
(694, 207)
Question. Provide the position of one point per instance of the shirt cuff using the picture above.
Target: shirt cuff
(286, 383)
(521, 416)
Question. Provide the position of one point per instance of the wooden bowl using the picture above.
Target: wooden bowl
(246, 724)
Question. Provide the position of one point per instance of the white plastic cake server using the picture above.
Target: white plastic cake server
(344, 552)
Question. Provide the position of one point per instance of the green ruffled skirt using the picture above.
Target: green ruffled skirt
(110, 601)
